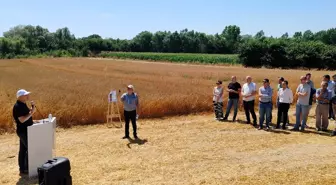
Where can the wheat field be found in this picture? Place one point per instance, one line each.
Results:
(75, 90)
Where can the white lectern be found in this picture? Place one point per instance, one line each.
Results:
(41, 142)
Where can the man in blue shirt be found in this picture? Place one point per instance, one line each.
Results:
(323, 97)
(265, 104)
(131, 105)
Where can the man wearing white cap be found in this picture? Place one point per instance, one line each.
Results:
(131, 104)
(23, 118)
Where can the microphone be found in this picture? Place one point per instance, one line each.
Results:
(32, 104)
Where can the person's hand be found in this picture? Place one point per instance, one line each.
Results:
(33, 110)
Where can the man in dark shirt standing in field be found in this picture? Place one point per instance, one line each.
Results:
(234, 89)
(23, 118)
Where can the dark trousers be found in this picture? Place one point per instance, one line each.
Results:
(130, 116)
(249, 108)
(218, 108)
(23, 151)
(282, 114)
(331, 112)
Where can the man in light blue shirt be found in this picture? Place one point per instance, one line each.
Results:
(131, 104)
(265, 104)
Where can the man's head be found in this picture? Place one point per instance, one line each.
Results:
(234, 79)
(281, 79)
(130, 89)
(308, 76)
(303, 79)
(324, 85)
(219, 83)
(326, 78)
(248, 79)
(22, 95)
(284, 84)
(266, 82)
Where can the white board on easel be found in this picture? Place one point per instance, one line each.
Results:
(113, 108)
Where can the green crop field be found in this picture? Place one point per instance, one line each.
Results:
(176, 57)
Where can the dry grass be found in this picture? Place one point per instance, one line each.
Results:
(187, 150)
(75, 90)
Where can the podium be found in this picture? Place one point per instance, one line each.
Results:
(41, 143)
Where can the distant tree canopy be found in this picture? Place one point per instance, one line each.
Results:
(307, 49)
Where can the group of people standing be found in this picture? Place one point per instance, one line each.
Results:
(325, 98)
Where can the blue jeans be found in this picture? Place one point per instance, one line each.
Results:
(301, 109)
(265, 109)
(231, 102)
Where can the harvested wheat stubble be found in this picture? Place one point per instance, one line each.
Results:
(187, 150)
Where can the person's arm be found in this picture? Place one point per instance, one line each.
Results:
(260, 93)
(238, 92)
(24, 118)
(304, 93)
(291, 96)
(318, 95)
(122, 98)
(220, 94)
(137, 105)
(326, 100)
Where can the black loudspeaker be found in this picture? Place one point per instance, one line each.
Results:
(55, 172)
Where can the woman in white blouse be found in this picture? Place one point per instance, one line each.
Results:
(285, 96)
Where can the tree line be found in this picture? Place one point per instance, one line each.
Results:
(307, 49)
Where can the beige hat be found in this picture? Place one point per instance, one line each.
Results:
(130, 87)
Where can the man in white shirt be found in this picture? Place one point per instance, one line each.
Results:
(248, 93)
(302, 105)
(285, 97)
(331, 87)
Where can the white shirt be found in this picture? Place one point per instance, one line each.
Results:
(247, 89)
(218, 92)
(331, 87)
(285, 96)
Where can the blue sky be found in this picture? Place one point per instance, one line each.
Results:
(126, 18)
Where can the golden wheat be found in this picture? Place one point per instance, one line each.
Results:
(75, 90)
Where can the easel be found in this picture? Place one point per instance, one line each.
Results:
(113, 108)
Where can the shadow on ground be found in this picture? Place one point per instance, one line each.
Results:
(25, 180)
(136, 141)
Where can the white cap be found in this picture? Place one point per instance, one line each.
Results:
(22, 92)
(130, 87)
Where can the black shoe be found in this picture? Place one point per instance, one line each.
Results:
(325, 130)
(318, 129)
(136, 137)
(126, 137)
(23, 173)
(295, 129)
(284, 128)
(333, 133)
(260, 128)
(267, 128)
(233, 120)
(277, 127)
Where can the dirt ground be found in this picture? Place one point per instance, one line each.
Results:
(187, 150)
